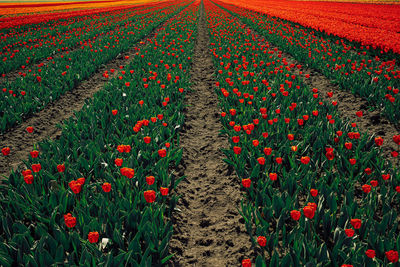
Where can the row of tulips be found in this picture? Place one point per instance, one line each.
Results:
(102, 193)
(47, 83)
(37, 42)
(318, 192)
(359, 69)
(369, 24)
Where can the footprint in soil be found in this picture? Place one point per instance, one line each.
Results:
(205, 242)
(205, 223)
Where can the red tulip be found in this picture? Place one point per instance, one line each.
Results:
(70, 221)
(273, 176)
(262, 241)
(36, 167)
(162, 153)
(34, 153)
(114, 112)
(118, 162)
(309, 212)
(314, 192)
(237, 150)
(28, 179)
(128, 172)
(93, 237)
(164, 191)
(106, 187)
(366, 188)
(295, 214)
(392, 256)
(29, 129)
(305, 160)
(396, 139)
(356, 223)
(246, 263)
(246, 183)
(349, 232)
(75, 186)
(150, 196)
(6, 151)
(261, 160)
(370, 253)
(150, 180)
(267, 151)
(378, 141)
(60, 167)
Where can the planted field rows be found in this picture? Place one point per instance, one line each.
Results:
(201, 133)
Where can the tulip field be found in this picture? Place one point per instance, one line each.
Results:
(207, 137)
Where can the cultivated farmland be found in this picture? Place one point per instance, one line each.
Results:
(200, 133)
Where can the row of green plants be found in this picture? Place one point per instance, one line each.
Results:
(102, 194)
(317, 190)
(358, 70)
(25, 48)
(25, 96)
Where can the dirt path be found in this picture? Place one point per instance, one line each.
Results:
(208, 230)
(45, 121)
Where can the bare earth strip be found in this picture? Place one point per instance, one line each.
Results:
(208, 229)
(45, 121)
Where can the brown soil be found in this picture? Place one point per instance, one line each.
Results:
(372, 122)
(45, 121)
(208, 229)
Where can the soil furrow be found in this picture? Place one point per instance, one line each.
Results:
(208, 229)
(45, 121)
(371, 121)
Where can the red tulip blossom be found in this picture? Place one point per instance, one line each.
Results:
(70, 221)
(349, 232)
(118, 162)
(60, 167)
(128, 172)
(6, 151)
(356, 223)
(295, 214)
(149, 196)
(379, 141)
(28, 179)
(314, 192)
(36, 167)
(273, 176)
(370, 253)
(309, 212)
(150, 180)
(305, 160)
(29, 129)
(162, 153)
(164, 191)
(237, 150)
(34, 153)
(246, 263)
(93, 237)
(366, 188)
(106, 187)
(246, 182)
(262, 241)
(75, 186)
(392, 256)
